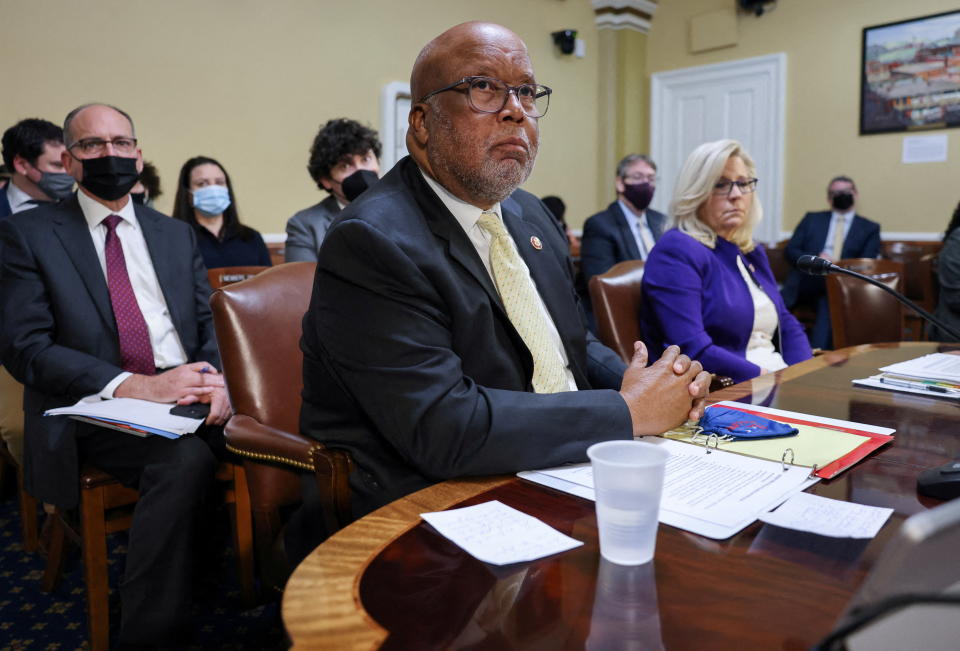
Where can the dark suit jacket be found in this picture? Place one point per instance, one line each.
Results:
(810, 238)
(4, 202)
(307, 228)
(411, 363)
(608, 239)
(58, 333)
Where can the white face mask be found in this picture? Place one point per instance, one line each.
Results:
(211, 200)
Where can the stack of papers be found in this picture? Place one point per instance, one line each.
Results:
(713, 494)
(936, 375)
(130, 415)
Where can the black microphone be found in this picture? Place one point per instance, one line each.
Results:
(815, 266)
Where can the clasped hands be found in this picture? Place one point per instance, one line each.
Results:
(665, 394)
(185, 385)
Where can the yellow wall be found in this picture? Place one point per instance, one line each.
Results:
(249, 82)
(822, 40)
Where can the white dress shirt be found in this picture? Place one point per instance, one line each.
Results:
(467, 215)
(641, 230)
(167, 349)
(760, 348)
(834, 218)
(18, 199)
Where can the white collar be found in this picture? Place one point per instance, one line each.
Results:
(95, 212)
(465, 213)
(632, 216)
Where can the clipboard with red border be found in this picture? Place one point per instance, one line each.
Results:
(873, 437)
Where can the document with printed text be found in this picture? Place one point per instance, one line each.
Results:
(714, 494)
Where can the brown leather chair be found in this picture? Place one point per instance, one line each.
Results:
(861, 313)
(918, 260)
(106, 506)
(778, 262)
(258, 325)
(615, 296)
(221, 276)
(872, 266)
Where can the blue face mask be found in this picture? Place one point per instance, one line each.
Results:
(211, 200)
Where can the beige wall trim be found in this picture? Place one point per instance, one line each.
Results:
(624, 14)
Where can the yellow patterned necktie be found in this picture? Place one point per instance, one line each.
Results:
(521, 302)
(838, 237)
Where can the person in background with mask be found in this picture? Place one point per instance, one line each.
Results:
(31, 151)
(341, 148)
(102, 297)
(832, 234)
(627, 229)
(147, 190)
(205, 199)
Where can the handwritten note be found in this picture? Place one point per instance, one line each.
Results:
(496, 533)
(827, 517)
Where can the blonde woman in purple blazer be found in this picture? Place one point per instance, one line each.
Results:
(707, 286)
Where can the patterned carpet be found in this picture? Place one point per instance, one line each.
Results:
(30, 619)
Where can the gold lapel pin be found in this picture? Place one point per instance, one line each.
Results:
(535, 242)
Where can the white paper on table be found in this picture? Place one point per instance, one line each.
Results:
(715, 495)
(935, 366)
(828, 517)
(925, 149)
(498, 534)
(144, 413)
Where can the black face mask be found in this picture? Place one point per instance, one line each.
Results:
(109, 177)
(357, 183)
(842, 201)
(639, 194)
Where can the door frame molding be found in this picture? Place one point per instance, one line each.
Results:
(772, 65)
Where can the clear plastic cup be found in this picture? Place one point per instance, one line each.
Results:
(628, 481)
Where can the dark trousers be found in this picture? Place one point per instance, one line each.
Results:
(174, 478)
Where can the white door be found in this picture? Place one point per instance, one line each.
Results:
(743, 100)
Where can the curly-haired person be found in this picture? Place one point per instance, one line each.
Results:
(341, 147)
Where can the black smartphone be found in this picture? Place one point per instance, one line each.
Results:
(196, 410)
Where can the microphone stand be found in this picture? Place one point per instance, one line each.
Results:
(897, 295)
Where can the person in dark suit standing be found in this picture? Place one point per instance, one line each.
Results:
(102, 297)
(340, 148)
(832, 234)
(627, 229)
(444, 337)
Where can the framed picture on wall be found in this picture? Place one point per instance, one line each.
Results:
(911, 75)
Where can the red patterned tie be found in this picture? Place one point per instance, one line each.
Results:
(136, 353)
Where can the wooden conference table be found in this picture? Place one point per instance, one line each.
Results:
(389, 580)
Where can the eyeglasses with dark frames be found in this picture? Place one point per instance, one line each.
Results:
(489, 95)
(96, 146)
(725, 186)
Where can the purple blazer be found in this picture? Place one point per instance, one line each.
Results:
(695, 297)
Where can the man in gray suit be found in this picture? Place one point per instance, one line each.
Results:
(341, 148)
